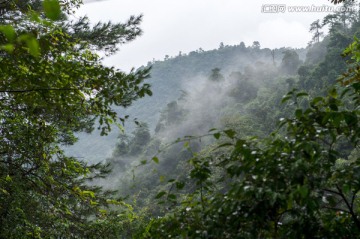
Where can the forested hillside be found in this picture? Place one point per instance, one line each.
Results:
(236, 142)
(52, 86)
(174, 76)
(250, 147)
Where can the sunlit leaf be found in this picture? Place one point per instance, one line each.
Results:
(9, 32)
(52, 9)
(155, 159)
(8, 47)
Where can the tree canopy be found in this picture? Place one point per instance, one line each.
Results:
(340, 1)
(299, 179)
(53, 84)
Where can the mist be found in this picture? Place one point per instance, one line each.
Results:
(215, 99)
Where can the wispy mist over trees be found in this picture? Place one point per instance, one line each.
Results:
(282, 158)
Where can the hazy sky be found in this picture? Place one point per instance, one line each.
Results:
(171, 26)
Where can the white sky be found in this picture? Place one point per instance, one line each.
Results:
(171, 26)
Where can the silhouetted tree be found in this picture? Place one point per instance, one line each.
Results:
(216, 75)
(315, 28)
(256, 45)
(290, 62)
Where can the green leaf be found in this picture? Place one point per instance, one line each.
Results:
(351, 119)
(286, 98)
(8, 47)
(224, 145)
(113, 202)
(33, 46)
(333, 93)
(172, 197)
(230, 133)
(52, 9)
(302, 94)
(8, 178)
(326, 118)
(180, 185)
(160, 194)
(155, 159)
(103, 211)
(217, 135)
(68, 212)
(9, 32)
(88, 193)
(317, 100)
(34, 16)
(304, 191)
(337, 118)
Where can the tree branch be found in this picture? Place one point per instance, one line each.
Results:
(336, 209)
(350, 207)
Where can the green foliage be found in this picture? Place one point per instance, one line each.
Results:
(172, 115)
(297, 182)
(283, 186)
(244, 89)
(343, 27)
(244, 101)
(52, 9)
(290, 62)
(300, 181)
(53, 85)
(133, 145)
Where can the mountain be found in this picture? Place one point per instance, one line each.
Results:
(169, 78)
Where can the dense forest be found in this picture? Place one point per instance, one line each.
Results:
(236, 142)
(172, 77)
